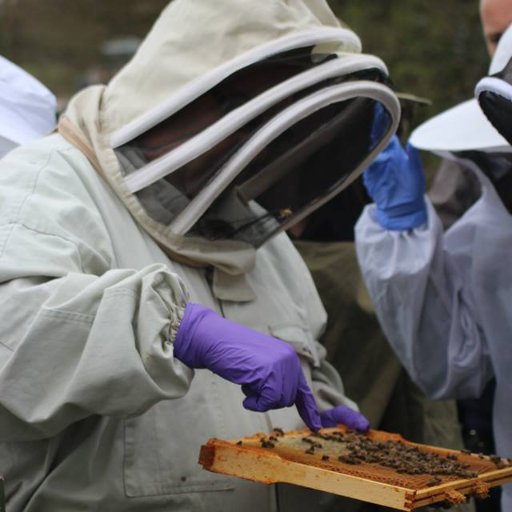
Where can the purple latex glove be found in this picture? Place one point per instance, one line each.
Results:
(268, 369)
(346, 416)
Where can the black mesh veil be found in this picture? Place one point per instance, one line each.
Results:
(260, 150)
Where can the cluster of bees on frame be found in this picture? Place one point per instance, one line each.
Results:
(355, 448)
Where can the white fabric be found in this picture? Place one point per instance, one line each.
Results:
(503, 52)
(90, 307)
(495, 85)
(444, 302)
(341, 39)
(27, 108)
(191, 40)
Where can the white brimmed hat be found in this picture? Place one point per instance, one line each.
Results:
(465, 127)
(27, 107)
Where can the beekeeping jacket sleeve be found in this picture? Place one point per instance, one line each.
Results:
(421, 283)
(73, 326)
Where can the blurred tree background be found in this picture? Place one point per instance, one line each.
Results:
(68, 43)
(432, 49)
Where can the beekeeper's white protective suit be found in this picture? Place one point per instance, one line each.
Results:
(95, 412)
(27, 108)
(444, 298)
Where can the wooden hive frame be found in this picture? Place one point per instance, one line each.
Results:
(253, 458)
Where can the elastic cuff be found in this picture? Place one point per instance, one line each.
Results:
(401, 223)
(181, 339)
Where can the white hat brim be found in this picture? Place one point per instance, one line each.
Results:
(461, 128)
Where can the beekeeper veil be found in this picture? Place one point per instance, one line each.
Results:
(236, 119)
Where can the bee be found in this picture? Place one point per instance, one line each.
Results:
(285, 213)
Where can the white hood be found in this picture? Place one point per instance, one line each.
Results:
(194, 46)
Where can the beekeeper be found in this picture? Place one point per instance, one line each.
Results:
(443, 298)
(27, 108)
(150, 298)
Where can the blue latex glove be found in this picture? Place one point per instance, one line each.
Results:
(396, 183)
(346, 416)
(268, 369)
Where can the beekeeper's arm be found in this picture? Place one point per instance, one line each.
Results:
(84, 344)
(76, 337)
(421, 292)
(80, 338)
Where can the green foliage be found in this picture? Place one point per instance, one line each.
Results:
(60, 40)
(432, 49)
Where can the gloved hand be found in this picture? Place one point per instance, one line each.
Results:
(268, 369)
(346, 416)
(396, 183)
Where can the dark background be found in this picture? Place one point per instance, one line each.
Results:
(432, 49)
